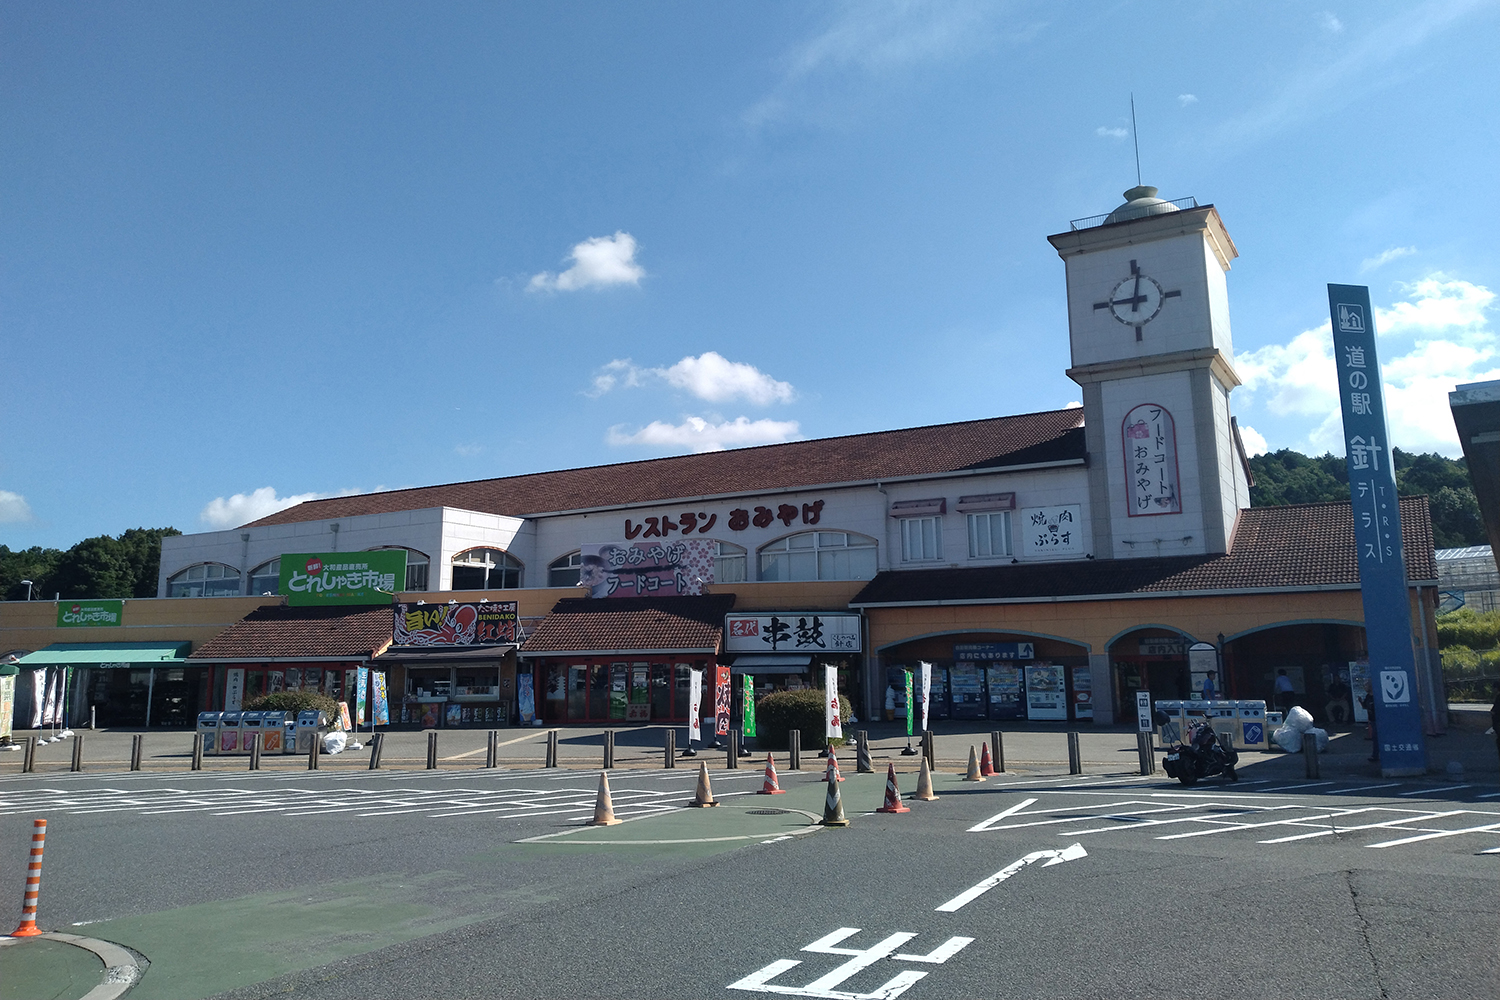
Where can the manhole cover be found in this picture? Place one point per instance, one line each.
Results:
(766, 812)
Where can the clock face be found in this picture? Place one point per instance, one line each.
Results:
(1136, 300)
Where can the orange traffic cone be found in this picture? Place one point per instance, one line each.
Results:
(986, 768)
(892, 794)
(833, 807)
(604, 807)
(924, 783)
(771, 786)
(973, 774)
(704, 797)
(831, 772)
(28, 926)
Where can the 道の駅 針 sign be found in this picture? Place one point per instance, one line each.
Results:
(342, 577)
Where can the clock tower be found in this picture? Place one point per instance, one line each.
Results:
(1148, 324)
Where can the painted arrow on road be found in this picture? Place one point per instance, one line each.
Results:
(1050, 857)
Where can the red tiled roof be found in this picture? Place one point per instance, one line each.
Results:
(1052, 435)
(582, 624)
(279, 631)
(1302, 545)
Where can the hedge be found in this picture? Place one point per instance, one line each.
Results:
(779, 713)
(294, 701)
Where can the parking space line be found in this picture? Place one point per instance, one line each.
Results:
(1365, 826)
(1439, 834)
(1440, 788)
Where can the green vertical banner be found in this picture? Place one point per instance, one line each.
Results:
(908, 703)
(747, 710)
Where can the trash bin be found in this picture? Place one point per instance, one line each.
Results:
(1253, 730)
(208, 725)
(1274, 721)
(250, 727)
(311, 725)
(289, 733)
(271, 731)
(229, 733)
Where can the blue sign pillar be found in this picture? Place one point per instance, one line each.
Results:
(1377, 534)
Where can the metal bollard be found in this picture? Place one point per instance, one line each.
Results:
(734, 750)
(92, 717)
(432, 751)
(863, 765)
(609, 749)
(794, 750)
(492, 751)
(1144, 757)
(551, 749)
(314, 751)
(1310, 754)
(255, 742)
(1075, 755)
(28, 756)
(377, 744)
(669, 749)
(197, 752)
(77, 752)
(136, 743)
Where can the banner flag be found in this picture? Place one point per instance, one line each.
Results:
(382, 707)
(361, 682)
(1377, 535)
(926, 690)
(833, 726)
(695, 702)
(526, 697)
(910, 715)
(721, 700)
(38, 697)
(49, 710)
(8, 703)
(747, 708)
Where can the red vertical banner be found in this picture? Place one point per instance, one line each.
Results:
(721, 700)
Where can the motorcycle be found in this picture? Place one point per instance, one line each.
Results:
(1202, 756)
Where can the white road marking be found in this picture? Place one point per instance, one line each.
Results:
(1365, 826)
(1361, 788)
(1441, 788)
(968, 896)
(1439, 834)
(978, 827)
(1256, 826)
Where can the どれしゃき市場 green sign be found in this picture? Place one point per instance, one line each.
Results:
(342, 577)
(87, 614)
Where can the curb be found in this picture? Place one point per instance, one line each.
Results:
(121, 969)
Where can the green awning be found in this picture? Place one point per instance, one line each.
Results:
(109, 654)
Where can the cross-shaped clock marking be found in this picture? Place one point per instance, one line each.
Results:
(1136, 300)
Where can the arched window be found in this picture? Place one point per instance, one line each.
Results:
(729, 563)
(265, 579)
(416, 565)
(205, 580)
(485, 569)
(564, 572)
(819, 555)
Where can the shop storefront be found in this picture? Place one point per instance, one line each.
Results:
(122, 684)
(788, 650)
(453, 664)
(991, 677)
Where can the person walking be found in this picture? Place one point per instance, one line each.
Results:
(1286, 695)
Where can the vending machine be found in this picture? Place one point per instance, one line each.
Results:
(1046, 692)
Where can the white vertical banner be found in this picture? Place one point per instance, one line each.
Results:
(38, 697)
(695, 700)
(49, 711)
(833, 726)
(926, 669)
(234, 689)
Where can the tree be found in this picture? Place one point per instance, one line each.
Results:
(103, 566)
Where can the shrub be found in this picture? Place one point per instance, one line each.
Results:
(294, 701)
(779, 713)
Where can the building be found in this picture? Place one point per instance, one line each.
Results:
(1468, 578)
(1050, 565)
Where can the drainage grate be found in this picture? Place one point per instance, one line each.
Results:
(766, 812)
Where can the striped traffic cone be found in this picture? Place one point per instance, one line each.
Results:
(833, 807)
(924, 783)
(831, 772)
(892, 794)
(604, 806)
(33, 881)
(704, 796)
(771, 786)
(986, 768)
(973, 774)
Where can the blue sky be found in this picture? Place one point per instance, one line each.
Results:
(261, 251)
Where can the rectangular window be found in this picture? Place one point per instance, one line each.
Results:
(989, 534)
(921, 539)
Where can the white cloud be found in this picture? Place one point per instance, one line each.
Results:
(1111, 133)
(243, 508)
(1451, 342)
(1331, 23)
(698, 434)
(710, 376)
(1253, 440)
(467, 450)
(877, 40)
(1186, 99)
(13, 508)
(598, 262)
(1074, 405)
(1380, 260)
